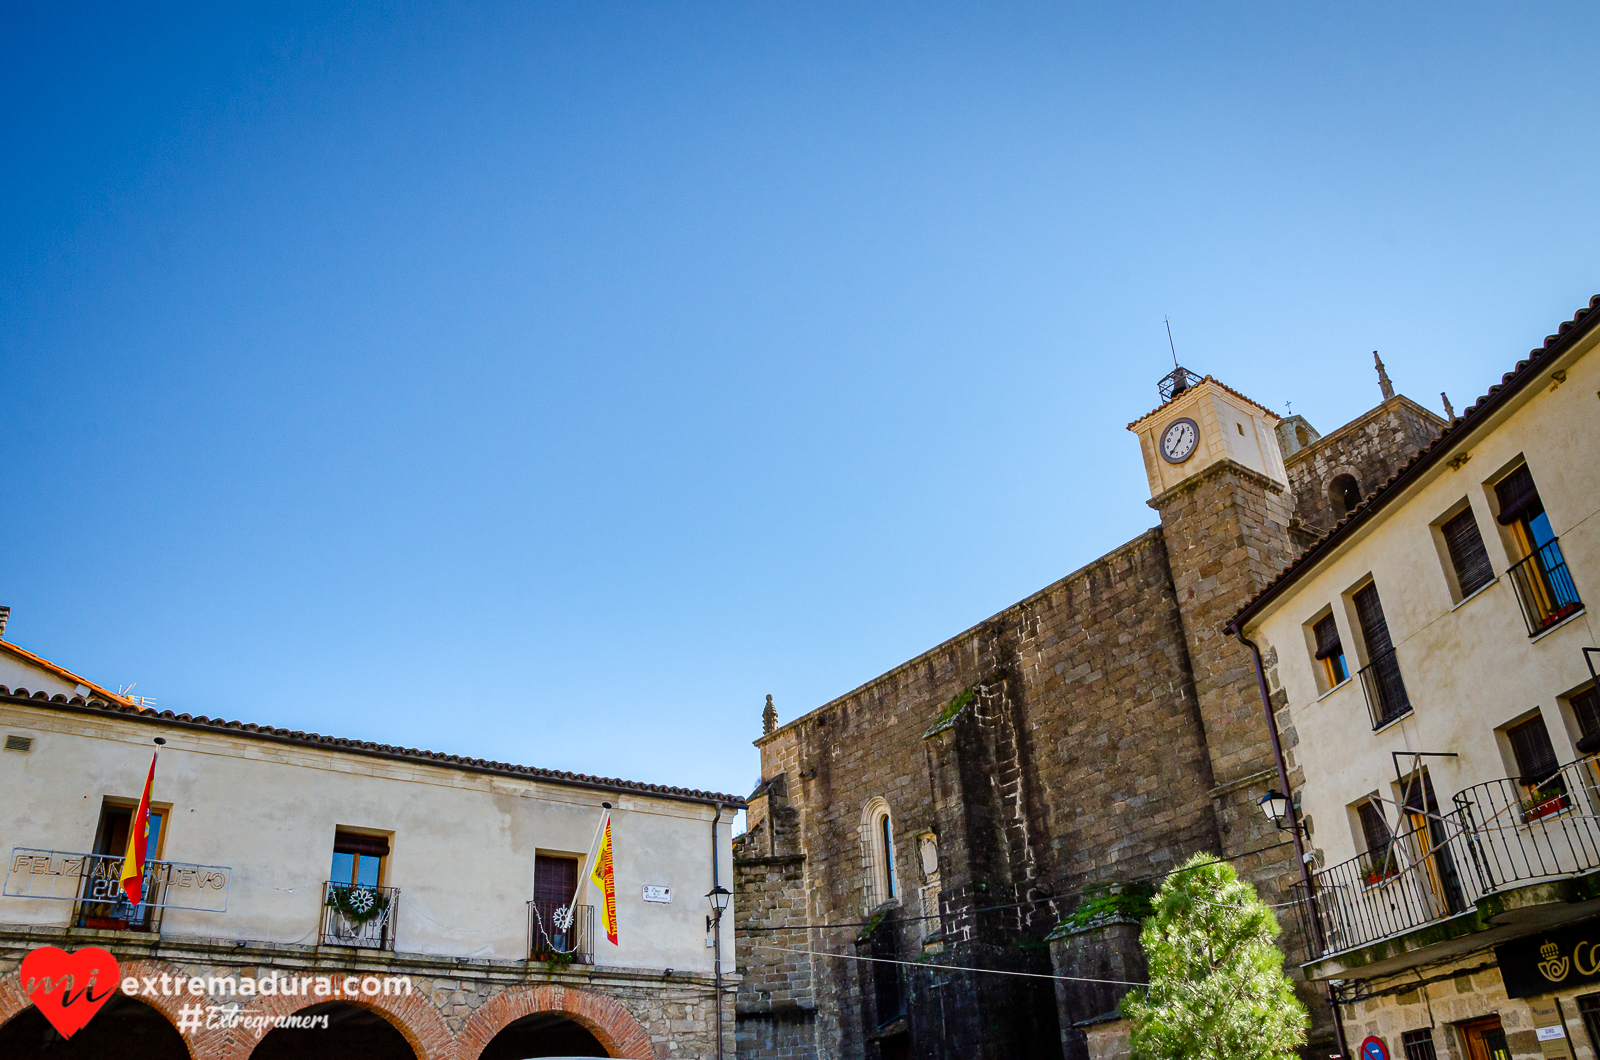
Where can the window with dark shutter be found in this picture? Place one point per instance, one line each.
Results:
(1586, 708)
(1518, 496)
(1530, 744)
(359, 843)
(1374, 628)
(1467, 555)
(1375, 830)
(1330, 653)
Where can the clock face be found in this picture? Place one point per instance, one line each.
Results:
(1179, 439)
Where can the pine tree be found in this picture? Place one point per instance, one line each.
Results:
(1217, 986)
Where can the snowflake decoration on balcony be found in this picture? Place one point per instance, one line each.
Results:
(562, 917)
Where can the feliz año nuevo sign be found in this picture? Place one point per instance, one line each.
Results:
(1551, 960)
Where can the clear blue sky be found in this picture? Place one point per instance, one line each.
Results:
(550, 382)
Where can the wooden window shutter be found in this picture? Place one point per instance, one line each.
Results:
(1467, 555)
(1327, 634)
(357, 843)
(1530, 743)
(1374, 829)
(1586, 707)
(1517, 495)
(1374, 628)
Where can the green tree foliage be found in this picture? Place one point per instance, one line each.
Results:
(1217, 986)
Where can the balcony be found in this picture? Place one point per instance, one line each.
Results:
(354, 915)
(560, 934)
(1499, 835)
(1385, 689)
(92, 883)
(1544, 588)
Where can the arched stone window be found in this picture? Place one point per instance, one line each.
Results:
(1301, 436)
(877, 841)
(1346, 493)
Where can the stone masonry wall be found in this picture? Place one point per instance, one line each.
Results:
(1078, 759)
(1370, 448)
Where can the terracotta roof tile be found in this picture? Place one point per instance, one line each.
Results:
(383, 750)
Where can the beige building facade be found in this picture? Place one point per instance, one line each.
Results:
(1428, 661)
(342, 866)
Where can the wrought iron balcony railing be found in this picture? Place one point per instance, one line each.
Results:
(1385, 689)
(353, 915)
(556, 930)
(1507, 832)
(1544, 588)
(93, 883)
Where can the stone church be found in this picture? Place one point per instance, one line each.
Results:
(957, 811)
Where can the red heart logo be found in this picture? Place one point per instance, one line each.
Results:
(69, 988)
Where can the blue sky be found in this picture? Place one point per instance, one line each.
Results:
(550, 382)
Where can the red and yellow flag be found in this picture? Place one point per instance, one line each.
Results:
(603, 879)
(138, 841)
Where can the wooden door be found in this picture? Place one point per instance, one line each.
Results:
(1485, 1039)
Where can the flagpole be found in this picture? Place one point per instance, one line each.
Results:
(588, 858)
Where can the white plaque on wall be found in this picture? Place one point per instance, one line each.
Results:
(657, 894)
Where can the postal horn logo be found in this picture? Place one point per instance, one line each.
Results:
(69, 988)
(1554, 967)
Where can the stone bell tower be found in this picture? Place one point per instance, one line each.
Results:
(1217, 479)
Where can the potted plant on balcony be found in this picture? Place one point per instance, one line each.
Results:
(1383, 867)
(358, 904)
(1544, 801)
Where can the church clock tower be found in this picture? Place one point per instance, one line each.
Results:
(1217, 478)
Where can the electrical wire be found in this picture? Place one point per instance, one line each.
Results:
(949, 967)
(1031, 901)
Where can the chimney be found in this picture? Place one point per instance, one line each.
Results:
(5, 616)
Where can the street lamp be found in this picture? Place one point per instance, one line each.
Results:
(718, 897)
(1276, 806)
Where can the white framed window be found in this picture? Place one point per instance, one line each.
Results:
(877, 841)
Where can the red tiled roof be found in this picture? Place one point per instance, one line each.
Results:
(1512, 383)
(168, 719)
(61, 672)
(1216, 382)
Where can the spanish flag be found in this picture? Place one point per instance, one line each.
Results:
(138, 841)
(603, 879)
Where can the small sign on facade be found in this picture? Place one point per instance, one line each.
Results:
(653, 893)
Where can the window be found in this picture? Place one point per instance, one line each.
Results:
(1418, 1045)
(1301, 436)
(1467, 555)
(1544, 788)
(1385, 688)
(1330, 653)
(1589, 1009)
(877, 841)
(555, 884)
(1543, 582)
(1586, 709)
(1379, 840)
(1346, 492)
(884, 825)
(358, 859)
(106, 905)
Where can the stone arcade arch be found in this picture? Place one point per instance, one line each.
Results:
(125, 1028)
(352, 1032)
(611, 1024)
(413, 1018)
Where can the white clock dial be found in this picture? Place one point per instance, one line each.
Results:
(1179, 439)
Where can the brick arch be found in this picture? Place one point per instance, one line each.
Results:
(418, 1022)
(13, 1001)
(601, 1016)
